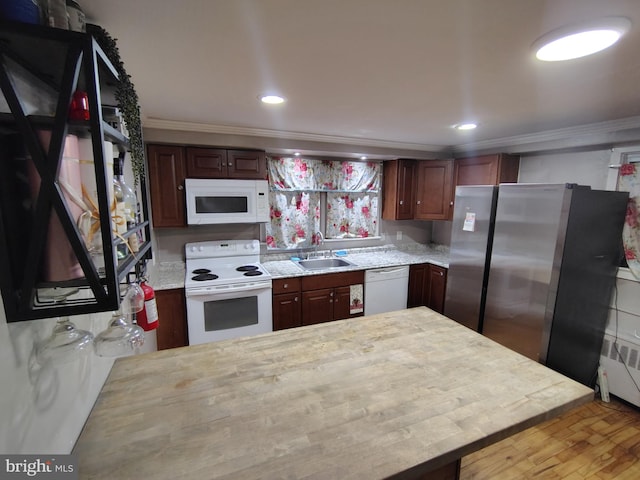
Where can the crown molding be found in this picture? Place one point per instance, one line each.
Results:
(286, 135)
(594, 134)
(570, 137)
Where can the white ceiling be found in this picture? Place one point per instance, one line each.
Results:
(373, 72)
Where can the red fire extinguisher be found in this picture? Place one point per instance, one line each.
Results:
(147, 318)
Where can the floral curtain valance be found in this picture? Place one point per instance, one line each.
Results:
(302, 174)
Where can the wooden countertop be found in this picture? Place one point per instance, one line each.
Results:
(394, 393)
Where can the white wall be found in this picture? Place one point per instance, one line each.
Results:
(585, 168)
(43, 408)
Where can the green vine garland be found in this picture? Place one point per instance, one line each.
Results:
(126, 97)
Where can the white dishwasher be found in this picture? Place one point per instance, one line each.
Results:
(385, 289)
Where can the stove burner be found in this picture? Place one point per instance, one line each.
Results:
(203, 277)
(252, 273)
(246, 268)
(198, 271)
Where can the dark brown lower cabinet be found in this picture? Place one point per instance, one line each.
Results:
(313, 299)
(317, 306)
(342, 303)
(172, 329)
(286, 311)
(427, 286)
(437, 288)
(286, 305)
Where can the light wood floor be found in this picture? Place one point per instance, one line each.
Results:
(593, 442)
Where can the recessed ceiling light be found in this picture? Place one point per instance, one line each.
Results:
(466, 126)
(271, 99)
(363, 157)
(580, 40)
(297, 154)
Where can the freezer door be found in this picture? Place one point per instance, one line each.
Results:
(528, 221)
(583, 283)
(472, 228)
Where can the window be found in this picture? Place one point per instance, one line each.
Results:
(336, 197)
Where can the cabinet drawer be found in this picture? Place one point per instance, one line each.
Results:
(286, 285)
(331, 280)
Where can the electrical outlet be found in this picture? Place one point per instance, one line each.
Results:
(399, 235)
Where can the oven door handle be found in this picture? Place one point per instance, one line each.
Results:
(242, 287)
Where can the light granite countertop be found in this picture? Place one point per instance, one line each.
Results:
(364, 259)
(393, 395)
(169, 275)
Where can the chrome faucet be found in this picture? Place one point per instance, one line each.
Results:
(319, 241)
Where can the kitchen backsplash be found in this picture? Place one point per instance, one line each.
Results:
(169, 243)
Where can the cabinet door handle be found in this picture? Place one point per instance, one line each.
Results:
(295, 299)
(401, 202)
(441, 274)
(229, 164)
(418, 202)
(331, 294)
(286, 285)
(180, 187)
(451, 203)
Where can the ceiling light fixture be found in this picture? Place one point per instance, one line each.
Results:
(363, 157)
(466, 126)
(271, 99)
(580, 40)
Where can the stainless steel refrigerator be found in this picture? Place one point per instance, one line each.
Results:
(533, 267)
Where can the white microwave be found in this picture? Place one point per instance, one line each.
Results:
(213, 201)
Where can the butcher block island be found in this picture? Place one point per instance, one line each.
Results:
(404, 394)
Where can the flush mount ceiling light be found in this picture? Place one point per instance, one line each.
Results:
(271, 99)
(466, 126)
(580, 40)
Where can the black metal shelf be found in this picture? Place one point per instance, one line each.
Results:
(77, 127)
(54, 63)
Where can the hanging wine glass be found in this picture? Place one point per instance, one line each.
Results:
(122, 337)
(133, 300)
(65, 342)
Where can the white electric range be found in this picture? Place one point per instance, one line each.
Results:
(228, 292)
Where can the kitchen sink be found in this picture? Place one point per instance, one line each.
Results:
(323, 263)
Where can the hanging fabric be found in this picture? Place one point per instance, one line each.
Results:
(303, 174)
(295, 185)
(352, 215)
(295, 218)
(629, 181)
